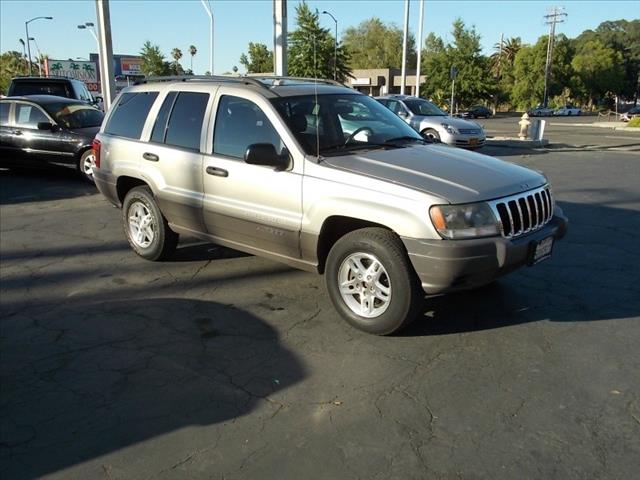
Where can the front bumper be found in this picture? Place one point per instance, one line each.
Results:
(463, 140)
(450, 265)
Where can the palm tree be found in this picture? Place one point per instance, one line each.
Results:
(192, 51)
(505, 54)
(176, 53)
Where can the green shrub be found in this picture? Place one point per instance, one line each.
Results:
(634, 122)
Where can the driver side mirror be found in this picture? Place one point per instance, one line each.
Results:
(265, 154)
(403, 114)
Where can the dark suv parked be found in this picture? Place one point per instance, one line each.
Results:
(58, 86)
(44, 129)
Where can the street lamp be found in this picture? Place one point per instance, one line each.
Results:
(24, 52)
(207, 8)
(89, 26)
(335, 47)
(26, 27)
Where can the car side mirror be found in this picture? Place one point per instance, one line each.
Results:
(47, 126)
(265, 154)
(403, 114)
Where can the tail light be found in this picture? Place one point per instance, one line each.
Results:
(96, 152)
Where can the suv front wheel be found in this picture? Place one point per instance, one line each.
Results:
(371, 282)
(145, 227)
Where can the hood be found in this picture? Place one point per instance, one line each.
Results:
(456, 175)
(86, 132)
(453, 121)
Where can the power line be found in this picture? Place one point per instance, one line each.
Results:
(556, 15)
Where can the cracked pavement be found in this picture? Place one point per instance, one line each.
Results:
(221, 365)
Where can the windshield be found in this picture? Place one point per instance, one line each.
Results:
(422, 107)
(342, 123)
(74, 115)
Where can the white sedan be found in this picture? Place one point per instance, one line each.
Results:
(568, 111)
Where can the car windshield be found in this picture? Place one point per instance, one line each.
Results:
(74, 115)
(338, 123)
(423, 107)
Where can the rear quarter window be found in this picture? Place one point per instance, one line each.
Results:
(130, 113)
(4, 113)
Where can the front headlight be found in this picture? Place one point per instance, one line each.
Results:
(464, 221)
(449, 128)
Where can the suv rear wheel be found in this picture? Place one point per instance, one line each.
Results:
(371, 282)
(146, 228)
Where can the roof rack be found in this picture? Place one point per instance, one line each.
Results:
(203, 78)
(276, 78)
(258, 80)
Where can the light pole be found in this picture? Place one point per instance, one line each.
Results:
(26, 27)
(335, 47)
(24, 52)
(207, 8)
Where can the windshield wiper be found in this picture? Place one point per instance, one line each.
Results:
(391, 141)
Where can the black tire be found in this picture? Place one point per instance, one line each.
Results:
(83, 166)
(406, 295)
(430, 133)
(164, 240)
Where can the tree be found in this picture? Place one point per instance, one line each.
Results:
(505, 55)
(153, 63)
(311, 48)
(473, 81)
(12, 64)
(372, 44)
(192, 51)
(176, 68)
(599, 69)
(260, 59)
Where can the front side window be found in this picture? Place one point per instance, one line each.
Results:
(130, 113)
(75, 115)
(345, 122)
(28, 116)
(185, 122)
(240, 123)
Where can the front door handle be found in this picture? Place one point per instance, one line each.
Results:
(218, 172)
(152, 157)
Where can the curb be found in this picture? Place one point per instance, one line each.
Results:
(516, 143)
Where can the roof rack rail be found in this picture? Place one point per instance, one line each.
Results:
(299, 79)
(202, 78)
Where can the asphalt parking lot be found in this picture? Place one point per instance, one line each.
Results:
(221, 365)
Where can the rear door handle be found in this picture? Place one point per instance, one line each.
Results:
(152, 157)
(218, 172)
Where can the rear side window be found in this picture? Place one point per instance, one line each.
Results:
(4, 113)
(185, 123)
(129, 115)
(28, 116)
(160, 127)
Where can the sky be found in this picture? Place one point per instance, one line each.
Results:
(170, 23)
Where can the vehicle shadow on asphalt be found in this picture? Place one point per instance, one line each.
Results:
(93, 377)
(592, 276)
(42, 184)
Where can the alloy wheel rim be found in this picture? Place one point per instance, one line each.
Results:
(87, 165)
(364, 284)
(141, 225)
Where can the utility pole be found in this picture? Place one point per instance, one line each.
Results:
(207, 8)
(556, 15)
(421, 21)
(105, 54)
(280, 37)
(403, 79)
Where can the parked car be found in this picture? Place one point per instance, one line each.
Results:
(264, 165)
(567, 111)
(478, 111)
(42, 129)
(633, 113)
(540, 111)
(433, 123)
(58, 86)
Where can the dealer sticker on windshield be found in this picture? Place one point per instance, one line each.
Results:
(542, 250)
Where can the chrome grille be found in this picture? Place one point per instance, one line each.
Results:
(469, 131)
(524, 213)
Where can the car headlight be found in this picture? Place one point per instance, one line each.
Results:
(449, 128)
(464, 221)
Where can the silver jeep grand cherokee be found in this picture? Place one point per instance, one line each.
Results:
(320, 177)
